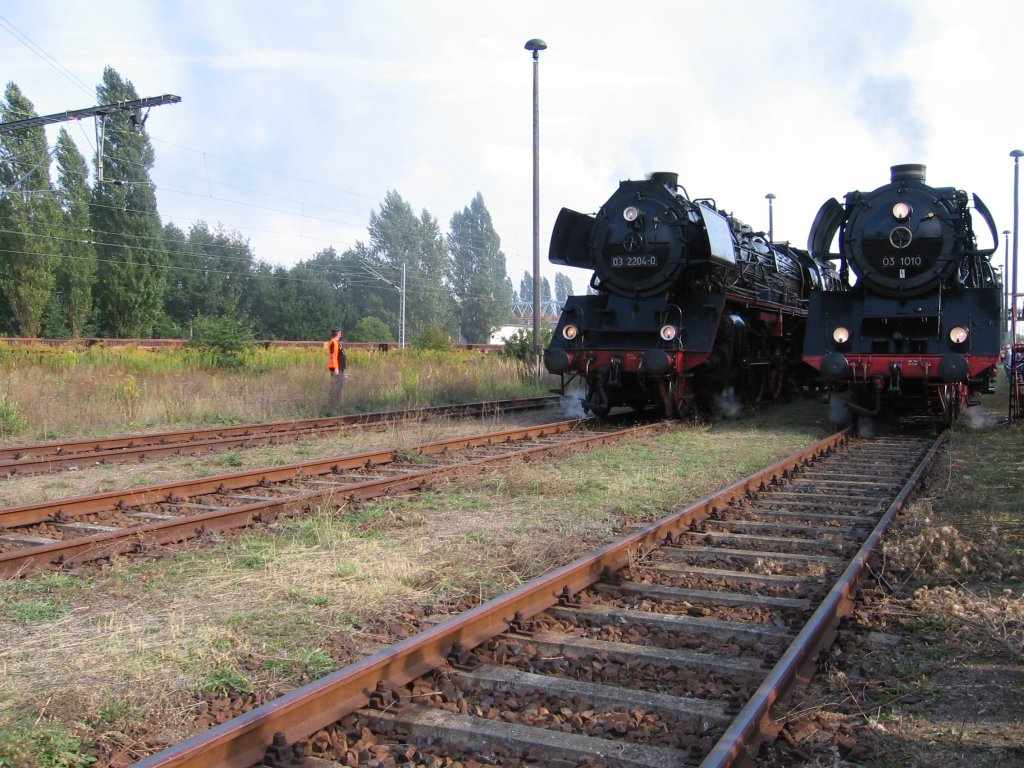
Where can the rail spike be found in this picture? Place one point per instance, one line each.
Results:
(462, 658)
(608, 576)
(281, 754)
(568, 600)
(521, 625)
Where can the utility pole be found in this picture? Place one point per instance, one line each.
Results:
(401, 298)
(536, 46)
(132, 106)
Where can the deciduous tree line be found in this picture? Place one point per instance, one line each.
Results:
(83, 257)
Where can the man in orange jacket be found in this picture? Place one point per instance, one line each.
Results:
(336, 367)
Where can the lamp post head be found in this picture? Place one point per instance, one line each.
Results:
(1015, 154)
(536, 45)
(769, 197)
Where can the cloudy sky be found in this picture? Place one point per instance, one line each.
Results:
(297, 118)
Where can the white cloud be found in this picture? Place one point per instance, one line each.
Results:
(294, 125)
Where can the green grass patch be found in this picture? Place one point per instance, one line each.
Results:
(34, 611)
(303, 663)
(224, 681)
(32, 744)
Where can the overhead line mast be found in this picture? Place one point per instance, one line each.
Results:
(100, 111)
(132, 105)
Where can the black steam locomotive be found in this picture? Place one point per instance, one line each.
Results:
(919, 329)
(687, 303)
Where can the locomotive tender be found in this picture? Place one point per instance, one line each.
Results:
(687, 303)
(919, 330)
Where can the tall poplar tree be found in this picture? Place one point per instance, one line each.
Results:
(526, 287)
(133, 261)
(76, 272)
(398, 237)
(563, 288)
(226, 263)
(479, 280)
(29, 216)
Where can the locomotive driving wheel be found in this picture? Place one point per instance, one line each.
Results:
(596, 400)
(775, 381)
(683, 396)
(766, 382)
(951, 399)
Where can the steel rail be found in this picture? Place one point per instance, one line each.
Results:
(37, 458)
(147, 535)
(242, 742)
(43, 511)
(739, 743)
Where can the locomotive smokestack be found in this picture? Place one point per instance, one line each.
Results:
(908, 172)
(670, 180)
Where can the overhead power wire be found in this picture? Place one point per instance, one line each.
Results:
(25, 40)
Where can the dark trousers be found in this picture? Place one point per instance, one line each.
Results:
(337, 385)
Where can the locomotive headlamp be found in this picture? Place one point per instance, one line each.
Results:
(841, 335)
(668, 332)
(901, 210)
(570, 332)
(631, 213)
(958, 335)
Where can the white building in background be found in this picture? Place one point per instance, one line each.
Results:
(506, 332)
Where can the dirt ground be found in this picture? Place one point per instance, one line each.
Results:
(928, 670)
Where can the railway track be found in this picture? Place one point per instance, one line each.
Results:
(68, 532)
(668, 647)
(40, 458)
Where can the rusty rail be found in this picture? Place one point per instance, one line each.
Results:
(242, 742)
(741, 740)
(140, 537)
(36, 458)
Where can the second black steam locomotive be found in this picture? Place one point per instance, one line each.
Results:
(919, 329)
(687, 303)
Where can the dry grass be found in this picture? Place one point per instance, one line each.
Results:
(68, 393)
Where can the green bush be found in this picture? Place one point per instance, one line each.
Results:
(226, 341)
(370, 329)
(519, 346)
(434, 339)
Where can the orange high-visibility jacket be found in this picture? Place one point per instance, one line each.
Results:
(334, 355)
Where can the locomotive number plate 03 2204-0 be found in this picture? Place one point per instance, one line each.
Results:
(628, 262)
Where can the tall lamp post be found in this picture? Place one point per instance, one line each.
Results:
(536, 45)
(1016, 155)
(1006, 280)
(771, 226)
